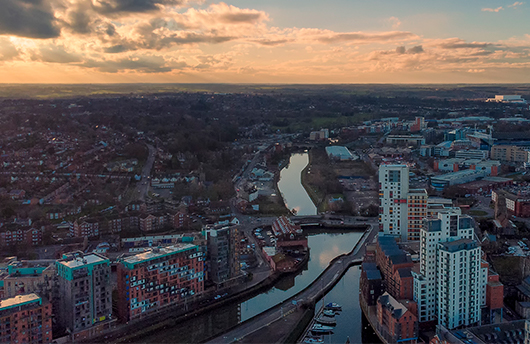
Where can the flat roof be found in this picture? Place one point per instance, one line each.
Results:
(458, 245)
(18, 301)
(339, 151)
(457, 175)
(82, 261)
(157, 253)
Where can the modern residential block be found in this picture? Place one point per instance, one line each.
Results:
(223, 253)
(451, 281)
(25, 319)
(159, 277)
(85, 291)
(393, 193)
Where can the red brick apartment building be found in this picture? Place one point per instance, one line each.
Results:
(395, 266)
(25, 319)
(159, 277)
(515, 201)
(396, 323)
(11, 235)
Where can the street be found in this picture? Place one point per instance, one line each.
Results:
(142, 186)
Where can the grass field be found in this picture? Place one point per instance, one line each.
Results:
(477, 213)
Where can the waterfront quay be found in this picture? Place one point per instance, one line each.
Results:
(281, 322)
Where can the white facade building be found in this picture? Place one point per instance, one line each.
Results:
(459, 274)
(393, 193)
(450, 285)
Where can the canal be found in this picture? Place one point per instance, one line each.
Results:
(291, 188)
(323, 248)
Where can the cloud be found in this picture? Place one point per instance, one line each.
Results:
(28, 18)
(121, 7)
(141, 64)
(498, 9)
(54, 54)
(455, 43)
(217, 40)
(516, 4)
(8, 51)
(270, 42)
(415, 50)
(395, 22)
(476, 70)
(364, 37)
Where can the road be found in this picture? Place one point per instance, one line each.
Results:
(483, 204)
(310, 294)
(143, 185)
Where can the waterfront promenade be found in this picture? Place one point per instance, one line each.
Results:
(259, 326)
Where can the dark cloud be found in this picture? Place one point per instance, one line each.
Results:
(142, 64)
(242, 17)
(402, 50)
(79, 21)
(363, 37)
(463, 45)
(149, 39)
(269, 42)
(482, 53)
(28, 18)
(115, 49)
(416, 50)
(110, 30)
(117, 7)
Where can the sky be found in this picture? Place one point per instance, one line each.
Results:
(267, 41)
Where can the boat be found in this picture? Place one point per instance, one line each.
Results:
(326, 320)
(313, 340)
(333, 306)
(319, 328)
(329, 312)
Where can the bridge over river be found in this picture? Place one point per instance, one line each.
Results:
(310, 295)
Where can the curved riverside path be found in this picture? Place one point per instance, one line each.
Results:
(310, 295)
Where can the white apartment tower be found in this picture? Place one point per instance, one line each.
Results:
(393, 193)
(450, 285)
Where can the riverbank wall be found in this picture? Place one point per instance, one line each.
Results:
(172, 316)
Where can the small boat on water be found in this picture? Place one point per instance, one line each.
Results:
(326, 320)
(329, 312)
(319, 328)
(333, 306)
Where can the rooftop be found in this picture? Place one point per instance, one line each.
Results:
(458, 245)
(397, 308)
(79, 261)
(18, 301)
(339, 152)
(457, 175)
(157, 253)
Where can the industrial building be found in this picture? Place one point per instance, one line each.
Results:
(339, 153)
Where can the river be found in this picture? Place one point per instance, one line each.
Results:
(323, 248)
(293, 193)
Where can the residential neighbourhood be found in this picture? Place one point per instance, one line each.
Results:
(109, 218)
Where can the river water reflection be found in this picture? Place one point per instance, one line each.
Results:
(323, 248)
(293, 193)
